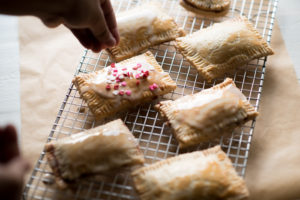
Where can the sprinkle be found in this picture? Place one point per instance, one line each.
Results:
(128, 74)
(107, 87)
(113, 65)
(146, 73)
(137, 76)
(114, 74)
(115, 92)
(118, 80)
(155, 86)
(128, 92)
(138, 82)
(135, 68)
(121, 92)
(115, 70)
(123, 83)
(124, 69)
(116, 86)
(139, 65)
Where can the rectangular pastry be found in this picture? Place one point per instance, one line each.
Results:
(142, 27)
(206, 6)
(223, 47)
(208, 114)
(123, 85)
(95, 151)
(206, 174)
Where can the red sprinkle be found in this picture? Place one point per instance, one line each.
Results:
(135, 68)
(121, 92)
(113, 65)
(114, 74)
(128, 92)
(115, 70)
(116, 86)
(138, 82)
(107, 87)
(123, 83)
(124, 69)
(128, 74)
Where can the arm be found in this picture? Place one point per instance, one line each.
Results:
(93, 22)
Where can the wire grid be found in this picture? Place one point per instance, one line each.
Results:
(154, 137)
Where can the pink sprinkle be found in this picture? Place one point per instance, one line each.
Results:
(128, 92)
(115, 70)
(124, 69)
(123, 83)
(113, 65)
(137, 76)
(138, 82)
(139, 65)
(155, 86)
(114, 74)
(135, 68)
(151, 87)
(118, 80)
(107, 87)
(121, 92)
(116, 86)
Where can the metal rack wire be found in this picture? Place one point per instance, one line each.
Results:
(155, 139)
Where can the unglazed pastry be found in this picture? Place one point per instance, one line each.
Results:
(142, 27)
(123, 85)
(96, 151)
(208, 114)
(207, 174)
(206, 6)
(223, 47)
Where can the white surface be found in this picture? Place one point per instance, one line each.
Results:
(9, 72)
(288, 16)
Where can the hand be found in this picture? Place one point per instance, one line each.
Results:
(93, 22)
(12, 166)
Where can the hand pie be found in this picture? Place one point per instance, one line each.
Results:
(223, 47)
(142, 27)
(207, 174)
(206, 6)
(123, 85)
(208, 114)
(96, 151)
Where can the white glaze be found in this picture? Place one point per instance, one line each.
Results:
(201, 99)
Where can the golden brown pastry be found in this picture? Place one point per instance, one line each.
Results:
(142, 27)
(123, 85)
(206, 6)
(207, 174)
(96, 151)
(208, 114)
(215, 50)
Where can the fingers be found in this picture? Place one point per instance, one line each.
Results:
(101, 31)
(83, 37)
(110, 18)
(8, 144)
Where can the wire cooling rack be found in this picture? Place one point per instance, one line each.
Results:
(154, 137)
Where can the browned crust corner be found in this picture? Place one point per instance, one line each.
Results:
(54, 165)
(211, 13)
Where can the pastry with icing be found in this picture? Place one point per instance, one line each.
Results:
(206, 6)
(99, 150)
(142, 27)
(223, 47)
(208, 114)
(123, 85)
(206, 174)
